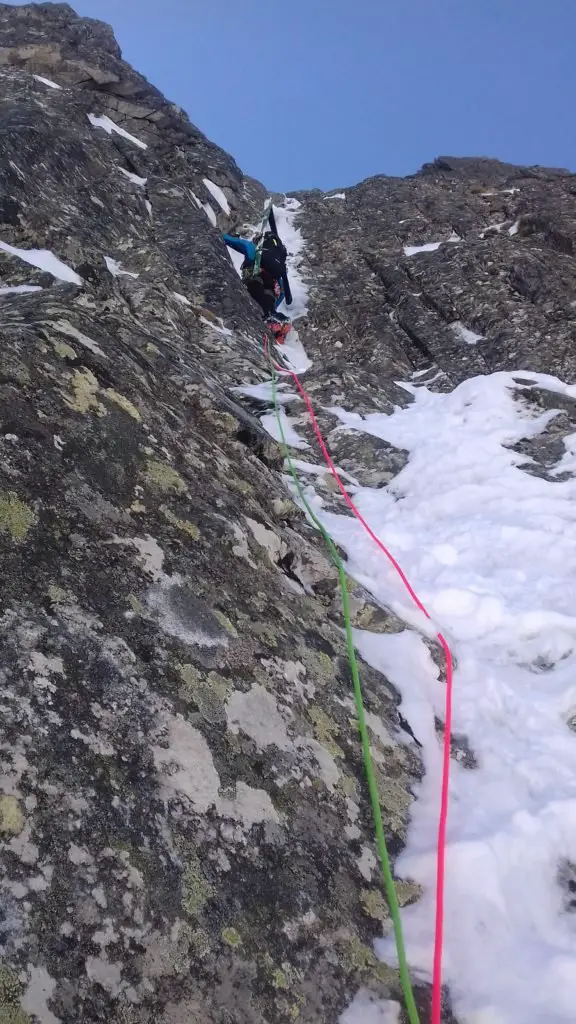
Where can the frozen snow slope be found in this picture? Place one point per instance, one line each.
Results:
(437, 377)
(491, 551)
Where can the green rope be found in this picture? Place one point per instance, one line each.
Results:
(387, 877)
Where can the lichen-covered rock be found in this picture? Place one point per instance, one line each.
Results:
(184, 832)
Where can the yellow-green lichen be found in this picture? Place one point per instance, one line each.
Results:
(355, 956)
(355, 953)
(231, 937)
(16, 518)
(225, 621)
(196, 889)
(58, 595)
(266, 634)
(395, 801)
(15, 371)
(191, 677)
(124, 403)
(284, 508)
(136, 605)
(242, 486)
(348, 785)
(295, 1009)
(284, 979)
(84, 389)
(151, 349)
(377, 620)
(11, 817)
(225, 420)
(325, 728)
(326, 662)
(10, 994)
(408, 892)
(163, 478)
(320, 666)
(181, 524)
(63, 350)
(279, 978)
(209, 694)
(375, 904)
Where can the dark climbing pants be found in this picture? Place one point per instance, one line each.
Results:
(264, 296)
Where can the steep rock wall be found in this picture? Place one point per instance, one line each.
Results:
(186, 835)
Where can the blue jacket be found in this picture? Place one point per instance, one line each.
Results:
(249, 251)
(243, 245)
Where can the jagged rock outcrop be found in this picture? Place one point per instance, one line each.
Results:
(498, 293)
(185, 831)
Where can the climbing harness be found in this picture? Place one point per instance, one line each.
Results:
(388, 879)
(369, 769)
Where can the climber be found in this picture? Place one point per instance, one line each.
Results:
(269, 287)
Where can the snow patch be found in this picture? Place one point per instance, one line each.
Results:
(470, 337)
(108, 125)
(293, 353)
(237, 260)
(292, 237)
(115, 268)
(63, 327)
(411, 250)
(336, 195)
(514, 229)
(44, 260)
(368, 1009)
(219, 328)
(134, 178)
(210, 214)
(493, 229)
(181, 299)
(322, 470)
(20, 289)
(263, 392)
(47, 81)
(502, 192)
(217, 193)
(270, 423)
(491, 550)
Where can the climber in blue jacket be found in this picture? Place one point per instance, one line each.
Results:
(270, 286)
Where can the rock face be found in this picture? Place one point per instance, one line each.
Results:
(185, 830)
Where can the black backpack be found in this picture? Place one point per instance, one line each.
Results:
(274, 255)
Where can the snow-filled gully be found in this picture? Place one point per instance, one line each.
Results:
(491, 551)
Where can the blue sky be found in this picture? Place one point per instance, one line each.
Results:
(323, 93)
